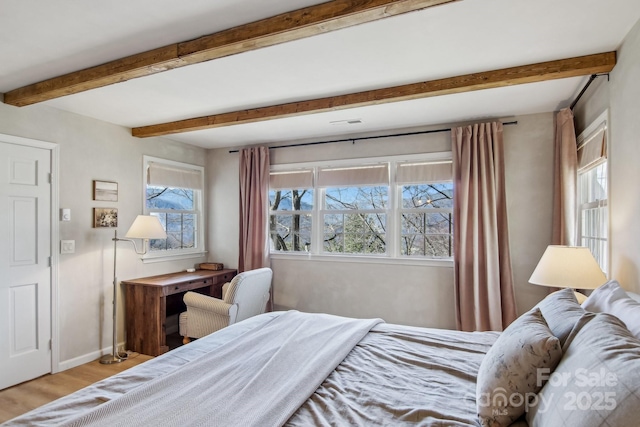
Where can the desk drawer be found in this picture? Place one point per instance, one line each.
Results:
(222, 279)
(187, 286)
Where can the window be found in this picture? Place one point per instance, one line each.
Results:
(426, 209)
(354, 209)
(174, 195)
(593, 211)
(395, 208)
(290, 207)
(427, 220)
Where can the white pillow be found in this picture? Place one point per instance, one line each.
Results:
(508, 374)
(611, 298)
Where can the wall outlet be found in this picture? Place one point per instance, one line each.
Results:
(67, 246)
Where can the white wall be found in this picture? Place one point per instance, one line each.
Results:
(622, 96)
(91, 149)
(529, 184)
(594, 101)
(419, 295)
(624, 161)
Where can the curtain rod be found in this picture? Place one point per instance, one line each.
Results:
(592, 77)
(362, 138)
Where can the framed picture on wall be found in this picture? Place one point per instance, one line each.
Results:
(105, 191)
(105, 217)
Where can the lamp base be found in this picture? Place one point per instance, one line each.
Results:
(580, 297)
(109, 359)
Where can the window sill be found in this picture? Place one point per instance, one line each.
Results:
(151, 258)
(364, 259)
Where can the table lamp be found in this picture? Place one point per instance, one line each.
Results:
(568, 267)
(144, 227)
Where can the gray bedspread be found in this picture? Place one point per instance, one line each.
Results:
(396, 375)
(402, 376)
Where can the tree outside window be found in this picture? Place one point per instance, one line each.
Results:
(173, 194)
(174, 207)
(427, 220)
(355, 220)
(290, 220)
(360, 216)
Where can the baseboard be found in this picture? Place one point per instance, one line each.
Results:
(86, 358)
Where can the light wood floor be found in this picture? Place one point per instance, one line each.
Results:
(24, 397)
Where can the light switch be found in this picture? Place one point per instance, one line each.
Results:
(67, 246)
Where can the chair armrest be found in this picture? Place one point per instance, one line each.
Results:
(205, 315)
(207, 303)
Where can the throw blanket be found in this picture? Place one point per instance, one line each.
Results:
(259, 379)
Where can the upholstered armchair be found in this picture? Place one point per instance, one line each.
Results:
(245, 296)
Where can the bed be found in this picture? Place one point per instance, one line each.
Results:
(301, 369)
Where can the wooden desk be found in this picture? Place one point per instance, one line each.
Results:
(149, 300)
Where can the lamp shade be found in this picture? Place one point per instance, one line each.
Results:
(146, 227)
(568, 267)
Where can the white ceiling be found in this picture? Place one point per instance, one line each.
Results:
(43, 39)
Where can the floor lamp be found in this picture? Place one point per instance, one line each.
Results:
(144, 227)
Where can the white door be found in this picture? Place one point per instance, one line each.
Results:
(25, 251)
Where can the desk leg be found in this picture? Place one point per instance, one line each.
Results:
(145, 320)
(160, 339)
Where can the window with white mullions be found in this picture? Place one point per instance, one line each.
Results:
(426, 207)
(355, 220)
(427, 234)
(593, 210)
(593, 230)
(181, 229)
(290, 219)
(386, 208)
(291, 201)
(354, 212)
(174, 195)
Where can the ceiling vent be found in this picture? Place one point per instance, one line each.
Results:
(346, 122)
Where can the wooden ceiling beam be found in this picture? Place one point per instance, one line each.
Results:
(289, 26)
(551, 70)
